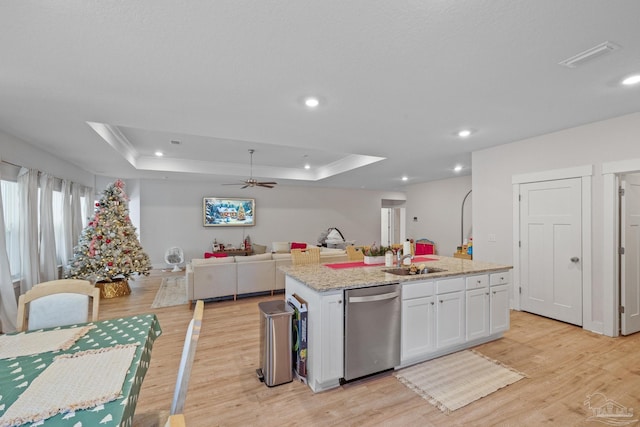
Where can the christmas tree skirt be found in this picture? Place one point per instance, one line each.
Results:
(116, 288)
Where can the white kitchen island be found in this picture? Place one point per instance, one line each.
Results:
(443, 312)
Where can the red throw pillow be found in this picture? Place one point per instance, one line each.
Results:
(214, 255)
(295, 245)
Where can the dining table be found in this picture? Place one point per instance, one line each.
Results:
(88, 374)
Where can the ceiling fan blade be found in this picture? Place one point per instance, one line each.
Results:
(240, 183)
(270, 183)
(244, 186)
(264, 184)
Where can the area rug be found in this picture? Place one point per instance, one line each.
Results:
(172, 291)
(453, 381)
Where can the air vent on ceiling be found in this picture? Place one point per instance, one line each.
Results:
(589, 54)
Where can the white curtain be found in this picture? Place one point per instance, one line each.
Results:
(48, 258)
(29, 259)
(76, 212)
(8, 305)
(89, 200)
(66, 245)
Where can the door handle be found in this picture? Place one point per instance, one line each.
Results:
(575, 259)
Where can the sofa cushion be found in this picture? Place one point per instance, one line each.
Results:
(259, 249)
(279, 257)
(251, 258)
(280, 247)
(198, 261)
(332, 251)
(298, 245)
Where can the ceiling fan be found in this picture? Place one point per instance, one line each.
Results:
(252, 182)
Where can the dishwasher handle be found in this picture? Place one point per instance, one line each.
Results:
(371, 298)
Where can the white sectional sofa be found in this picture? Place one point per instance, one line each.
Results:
(232, 276)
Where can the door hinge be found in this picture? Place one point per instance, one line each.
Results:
(621, 250)
(519, 243)
(519, 198)
(621, 191)
(621, 309)
(520, 289)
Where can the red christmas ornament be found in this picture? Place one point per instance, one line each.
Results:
(108, 240)
(110, 263)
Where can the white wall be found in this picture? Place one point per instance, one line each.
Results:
(592, 144)
(18, 152)
(438, 207)
(171, 214)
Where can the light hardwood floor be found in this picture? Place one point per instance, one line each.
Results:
(564, 364)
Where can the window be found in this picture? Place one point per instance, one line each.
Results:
(10, 204)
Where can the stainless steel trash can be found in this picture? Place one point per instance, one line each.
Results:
(275, 343)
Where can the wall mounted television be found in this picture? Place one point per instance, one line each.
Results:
(228, 212)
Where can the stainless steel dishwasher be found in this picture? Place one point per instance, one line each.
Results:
(372, 330)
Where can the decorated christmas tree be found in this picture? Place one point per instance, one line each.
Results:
(109, 248)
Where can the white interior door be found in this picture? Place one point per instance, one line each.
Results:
(630, 260)
(551, 249)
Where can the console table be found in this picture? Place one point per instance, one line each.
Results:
(232, 252)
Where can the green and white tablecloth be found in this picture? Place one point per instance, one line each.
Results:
(17, 373)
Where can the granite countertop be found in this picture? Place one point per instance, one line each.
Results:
(322, 278)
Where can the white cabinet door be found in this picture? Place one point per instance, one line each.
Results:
(499, 297)
(331, 337)
(551, 249)
(418, 327)
(477, 313)
(450, 319)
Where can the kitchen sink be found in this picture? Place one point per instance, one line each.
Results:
(402, 271)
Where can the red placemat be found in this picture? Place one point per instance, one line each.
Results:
(362, 264)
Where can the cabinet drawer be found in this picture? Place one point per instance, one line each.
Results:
(417, 290)
(480, 281)
(450, 285)
(500, 278)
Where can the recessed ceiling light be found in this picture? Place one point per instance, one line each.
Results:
(404, 178)
(159, 153)
(631, 80)
(464, 133)
(458, 168)
(307, 166)
(311, 102)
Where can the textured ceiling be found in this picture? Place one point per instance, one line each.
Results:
(396, 80)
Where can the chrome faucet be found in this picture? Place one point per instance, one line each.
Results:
(401, 258)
